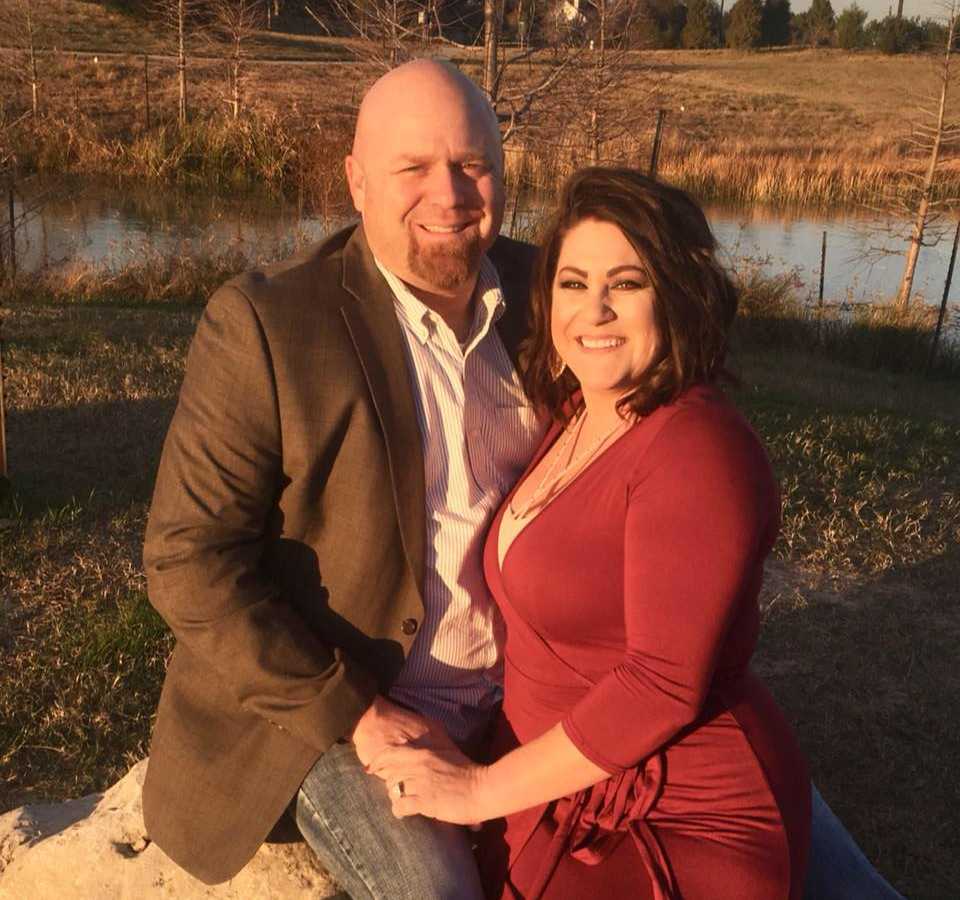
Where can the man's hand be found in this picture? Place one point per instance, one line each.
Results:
(385, 724)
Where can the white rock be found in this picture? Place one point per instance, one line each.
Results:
(96, 847)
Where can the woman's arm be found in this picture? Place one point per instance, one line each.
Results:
(446, 785)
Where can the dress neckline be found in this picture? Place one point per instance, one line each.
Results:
(551, 439)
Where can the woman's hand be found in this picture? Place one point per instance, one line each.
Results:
(439, 782)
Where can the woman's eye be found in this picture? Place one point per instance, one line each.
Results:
(629, 285)
(569, 284)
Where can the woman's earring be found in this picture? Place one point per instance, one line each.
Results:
(557, 367)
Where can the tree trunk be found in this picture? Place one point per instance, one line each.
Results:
(34, 77)
(926, 192)
(394, 38)
(181, 62)
(596, 113)
(235, 101)
(491, 47)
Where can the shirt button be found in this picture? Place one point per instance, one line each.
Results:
(408, 626)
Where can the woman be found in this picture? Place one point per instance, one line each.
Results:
(636, 754)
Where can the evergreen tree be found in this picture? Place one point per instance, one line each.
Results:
(775, 24)
(743, 31)
(821, 22)
(700, 32)
(850, 31)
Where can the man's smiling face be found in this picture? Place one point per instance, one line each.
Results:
(426, 176)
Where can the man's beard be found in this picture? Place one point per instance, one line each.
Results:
(450, 265)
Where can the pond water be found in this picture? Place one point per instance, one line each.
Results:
(113, 223)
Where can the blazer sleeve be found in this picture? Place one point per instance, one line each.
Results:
(218, 482)
(699, 522)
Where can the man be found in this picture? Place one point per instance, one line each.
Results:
(349, 421)
(328, 403)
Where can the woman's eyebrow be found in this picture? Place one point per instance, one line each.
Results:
(616, 270)
(574, 270)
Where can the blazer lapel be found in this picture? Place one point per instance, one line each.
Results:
(376, 335)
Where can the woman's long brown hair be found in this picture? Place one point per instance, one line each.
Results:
(695, 300)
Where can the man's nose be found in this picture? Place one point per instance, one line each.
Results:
(447, 186)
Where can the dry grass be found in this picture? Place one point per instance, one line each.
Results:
(862, 611)
(801, 127)
(862, 615)
(90, 391)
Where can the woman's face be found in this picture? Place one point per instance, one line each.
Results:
(602, 321)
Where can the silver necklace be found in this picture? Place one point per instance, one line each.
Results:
(541, 496)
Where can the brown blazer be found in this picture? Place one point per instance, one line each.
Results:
(285, 545)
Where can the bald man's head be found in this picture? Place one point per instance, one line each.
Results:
(426, 175)
(406, 89)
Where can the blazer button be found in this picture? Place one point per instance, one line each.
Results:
(408, 626)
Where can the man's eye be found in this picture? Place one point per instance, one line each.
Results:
(475, 167)
(412, 168)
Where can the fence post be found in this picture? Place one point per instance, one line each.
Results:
(657, 137)
(943, 304)
(146, 91)
(823, 266)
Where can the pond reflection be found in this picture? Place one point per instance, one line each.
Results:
(111, 223)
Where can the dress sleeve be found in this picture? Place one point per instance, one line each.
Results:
(700, 519)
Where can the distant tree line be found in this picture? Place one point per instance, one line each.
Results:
(660, 24)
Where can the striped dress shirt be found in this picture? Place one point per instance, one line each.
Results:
(478, 432)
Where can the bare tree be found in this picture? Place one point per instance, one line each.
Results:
(180, 18)
(492, 26)
(20, 31)
(616, 70)
(514, 98)
(235, 22)
(931, 136)
(390, 31)
(394, 31)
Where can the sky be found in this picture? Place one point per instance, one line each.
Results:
(877, 9)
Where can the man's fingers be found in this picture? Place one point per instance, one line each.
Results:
(392, 757)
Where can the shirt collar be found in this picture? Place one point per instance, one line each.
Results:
(422, 320)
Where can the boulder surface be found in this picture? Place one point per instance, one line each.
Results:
(97, 846)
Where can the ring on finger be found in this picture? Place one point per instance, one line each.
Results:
(398, 790)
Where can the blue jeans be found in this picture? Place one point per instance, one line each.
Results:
(344, 815)
(837, 869)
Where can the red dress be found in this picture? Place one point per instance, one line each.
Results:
(631, 614)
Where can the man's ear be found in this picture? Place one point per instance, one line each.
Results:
(355, 181)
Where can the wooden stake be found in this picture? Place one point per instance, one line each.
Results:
(823, 268)
(146, 91)
(657, 137)
(943, 304)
